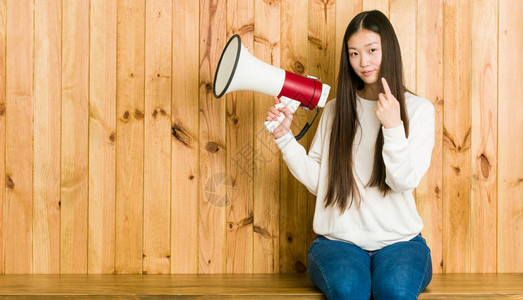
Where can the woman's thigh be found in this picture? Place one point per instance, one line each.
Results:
(401, 270)
(341, 270)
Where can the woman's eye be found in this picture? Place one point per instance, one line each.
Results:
(373, 50)
(353, 54)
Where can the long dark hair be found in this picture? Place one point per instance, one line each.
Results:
(342, 189)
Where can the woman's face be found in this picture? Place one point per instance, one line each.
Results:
(365, 55)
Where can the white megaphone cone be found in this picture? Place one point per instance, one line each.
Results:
(238, 70)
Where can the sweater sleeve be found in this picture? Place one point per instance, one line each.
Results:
(305, 167)
(407, 160)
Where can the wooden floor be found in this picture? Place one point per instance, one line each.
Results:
(277, 286)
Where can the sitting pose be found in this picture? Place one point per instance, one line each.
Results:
(372, 147)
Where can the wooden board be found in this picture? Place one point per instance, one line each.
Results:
(75, 131)
(83, 152)
(3, 42)
(185, 139)
(102, 137)
(214, 180)
(266, 221)
(474, 286)
(403, 19)
(240, 151)
(46, 140)
(510, 139)
(157, 160)
(456, 137)
(293, 197)
(484, 136)
(18, 231)
(429, 78)
(235, 286)
(381, 5)
(130, 108)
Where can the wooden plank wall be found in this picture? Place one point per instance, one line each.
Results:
(130, 106)
(74, 135)
(18, 216)
(102, 137)
(3, 40)
(46, 140)
(116, 157)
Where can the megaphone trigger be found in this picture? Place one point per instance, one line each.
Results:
(292, 105)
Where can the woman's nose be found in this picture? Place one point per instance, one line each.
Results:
(364, 60)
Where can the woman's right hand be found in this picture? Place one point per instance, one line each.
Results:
(274, 113)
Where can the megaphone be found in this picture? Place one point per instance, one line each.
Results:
(238, 70)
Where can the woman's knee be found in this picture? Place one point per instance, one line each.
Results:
(393, 292)
(340, 269)
(340, 283)
(401, 271)
(349, 290)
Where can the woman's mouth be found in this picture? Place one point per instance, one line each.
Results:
(367, 73)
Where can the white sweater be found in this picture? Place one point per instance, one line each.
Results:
(379, 221)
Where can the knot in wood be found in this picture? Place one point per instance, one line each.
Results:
(9, 182)
(126, 116)
(298, 67)
(300, 267)
(138, 114)
(211, 147)
(485, 166)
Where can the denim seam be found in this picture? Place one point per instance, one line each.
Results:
(424, 276)
(322, 275)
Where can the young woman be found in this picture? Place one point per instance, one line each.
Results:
(371, 149)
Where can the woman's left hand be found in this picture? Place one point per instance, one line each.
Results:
(388, 108)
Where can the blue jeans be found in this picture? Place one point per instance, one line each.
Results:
(345, 271)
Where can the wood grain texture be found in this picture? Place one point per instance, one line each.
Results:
(403, 15)
(75, 135)
(474, 286)
(3, 42)
(267, 47)
(429, 78)
(236, 286)
(240, 151)
(104, 161)
(214, 179)
(381, 5)
(102, 137)
(510, 139)
(456, 137)
(46, 139)
(18, 232)
(484, 136)
(130, 92)
(157, 156)
(185, 140)
(293, 197)
(321, 45)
